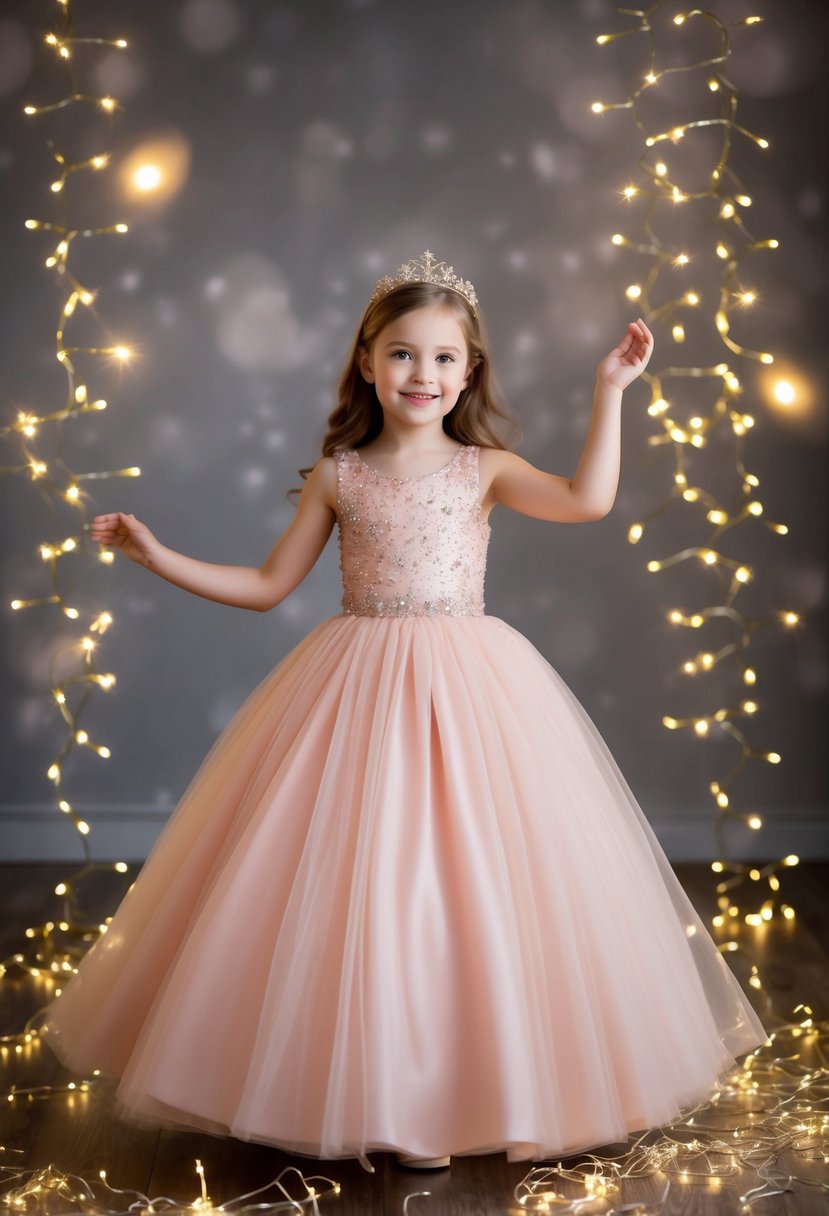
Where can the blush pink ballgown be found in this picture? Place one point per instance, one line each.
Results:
(408, 901)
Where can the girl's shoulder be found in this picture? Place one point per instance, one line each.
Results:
(495, 460)
(321, 482)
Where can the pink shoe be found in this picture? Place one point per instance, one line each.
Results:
(423, 1163)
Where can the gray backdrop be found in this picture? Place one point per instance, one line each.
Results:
(330, 141)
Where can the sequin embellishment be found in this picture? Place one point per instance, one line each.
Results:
(411, 546)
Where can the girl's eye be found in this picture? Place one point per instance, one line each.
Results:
(405, 352)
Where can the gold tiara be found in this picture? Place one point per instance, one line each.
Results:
(426, 270)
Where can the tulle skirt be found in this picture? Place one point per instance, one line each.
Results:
(407, 902)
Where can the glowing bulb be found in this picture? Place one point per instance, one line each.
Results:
(597, 107)
(633, 292)
(147, 177)
(784, 392)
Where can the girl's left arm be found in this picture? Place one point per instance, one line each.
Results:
(590, 494)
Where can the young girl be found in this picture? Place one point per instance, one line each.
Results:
(408, 901)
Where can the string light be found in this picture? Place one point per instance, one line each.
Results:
(764, 1127)
(52, 477)
(50, 1190)
(53, 949)
(719, 201)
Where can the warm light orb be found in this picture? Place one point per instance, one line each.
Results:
(787, 392)
(147, 177)
(157, 168)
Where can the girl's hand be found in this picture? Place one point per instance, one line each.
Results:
(125, 532)
(629, 359)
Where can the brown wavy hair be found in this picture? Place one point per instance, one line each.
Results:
(477, 416)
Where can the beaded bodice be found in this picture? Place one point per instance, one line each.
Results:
(411, 546)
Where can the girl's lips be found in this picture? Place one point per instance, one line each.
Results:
(419, 398)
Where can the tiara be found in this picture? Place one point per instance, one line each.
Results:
(426, 270)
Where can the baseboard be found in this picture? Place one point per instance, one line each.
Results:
(127, 832)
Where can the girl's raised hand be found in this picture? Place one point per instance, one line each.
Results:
(125, 532)
(629, 359)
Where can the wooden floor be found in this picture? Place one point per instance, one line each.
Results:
(78, 1135)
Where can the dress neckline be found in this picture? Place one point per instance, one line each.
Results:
(417, 476)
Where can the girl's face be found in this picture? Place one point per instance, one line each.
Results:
(419, 365)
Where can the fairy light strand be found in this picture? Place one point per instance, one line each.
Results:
(764, 1127)
(49, 1190)
(52, 950)
(51, 478)
(721, 192)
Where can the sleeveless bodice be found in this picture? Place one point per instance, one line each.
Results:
(411, 546)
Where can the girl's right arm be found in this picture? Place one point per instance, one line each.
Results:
(258, 588)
